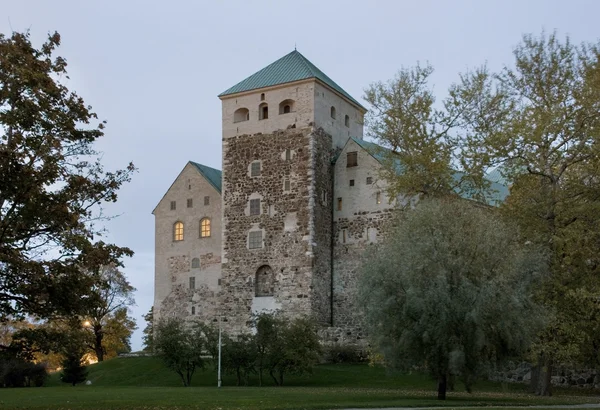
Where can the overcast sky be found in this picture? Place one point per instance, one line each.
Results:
(153, 70)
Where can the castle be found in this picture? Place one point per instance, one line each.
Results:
(284, 224)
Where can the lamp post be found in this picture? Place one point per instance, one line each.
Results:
(219, 367)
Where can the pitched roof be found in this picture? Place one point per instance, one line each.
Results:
(213, 176)
(291, 67)
(498, 186)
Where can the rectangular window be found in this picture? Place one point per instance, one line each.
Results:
(255, 207)
(286, 185)
(255, 169)
(288, 154)
(378, 198)
(352, 159)
(189, 203)
(192, 283)
(219, 281)
(193, 310)
(206, 200)
(369, 180)
(339, 205)
(343, 236)
(351, 182)
(255, 240)
(173, 205)
(324, 197)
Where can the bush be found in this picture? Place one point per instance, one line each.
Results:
(17, 372)
(344, 354)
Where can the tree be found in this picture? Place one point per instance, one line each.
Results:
(52, 185)
(149, 330)
(181, 347)
(239, 356)
(451, 291)
(74, 370)
(107, 318)
(539, 122)
(285, 346)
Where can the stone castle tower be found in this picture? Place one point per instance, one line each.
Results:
(284, 223)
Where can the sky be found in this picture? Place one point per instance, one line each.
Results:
(153, 70)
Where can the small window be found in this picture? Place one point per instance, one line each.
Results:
(286, 185)
(255, 169)
(262, 96)
(264, 282)
(195, 263)
(193, 310)
(255, 207)
(178, 231)
(288, 154)
(241, 114)
(206, 200)
(189, 202)
(332, 112)
(205, 228)
(219, 281)
(286, 107)
(173, 205)
(255, 240)
(351, 182)
(378, 198)
(343, 236)
(324, 197)
(192, 283)
(263, 111)
(352, 159)
(347, 121)
(339, 204)
(369, 180)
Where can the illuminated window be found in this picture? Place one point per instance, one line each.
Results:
(255, 207)
(205, 228)
(178, 231)
(378, 198)
(195, 263)
(255, 240)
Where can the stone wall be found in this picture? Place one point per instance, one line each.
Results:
(562, 376)
(284, 219)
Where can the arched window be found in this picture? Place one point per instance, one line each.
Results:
(195, 263)
(332, 112)
(262, 96)
(178, 231)
(241, 114)
(263, 111)
(286, 107)
(205, 228)
(265, 281)
(347, 121)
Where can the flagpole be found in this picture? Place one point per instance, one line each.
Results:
(219, 371)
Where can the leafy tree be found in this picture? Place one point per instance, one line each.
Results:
(149, 330)
(539, 121)
(451, 291)
(52, 185)
(180, 346)
(285, 346)
(107, 318)
(239, 356)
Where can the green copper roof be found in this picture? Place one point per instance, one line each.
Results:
(291, 67)
(213, 176)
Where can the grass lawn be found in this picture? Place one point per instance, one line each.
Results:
(143, 383)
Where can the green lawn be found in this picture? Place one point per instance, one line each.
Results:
(143, 383)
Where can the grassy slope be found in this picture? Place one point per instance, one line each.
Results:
(144, 383)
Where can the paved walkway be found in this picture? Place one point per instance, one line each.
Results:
(551, 406)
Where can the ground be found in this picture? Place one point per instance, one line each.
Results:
(143, 383)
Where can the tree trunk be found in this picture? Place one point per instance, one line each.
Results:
(535, 377)
(281, 377)
(442, 387)
(274, 378)
(260, 376)
(239, 376)
(98, 336)
(544, 386)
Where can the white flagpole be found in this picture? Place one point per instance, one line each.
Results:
(219, 371)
